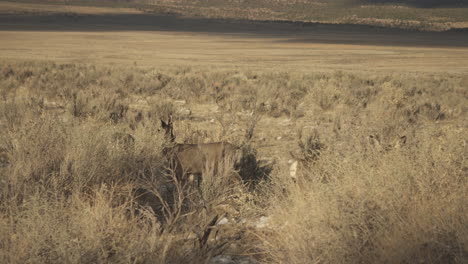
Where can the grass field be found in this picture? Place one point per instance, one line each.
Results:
(123, 37)
(374, 119)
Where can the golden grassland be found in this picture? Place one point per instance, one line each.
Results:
(321, 50)
(101, 37)
(74, 190)
(376, 122)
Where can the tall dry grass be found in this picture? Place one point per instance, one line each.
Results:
(365, 206)
(83, 177)
(367, 196)
(76, 170)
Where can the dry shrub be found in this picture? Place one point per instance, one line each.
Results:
(79, 205)
(97, 156)
(221, 182)
(89, 229)
(91, 184)
(401, 205)
(162, 109)
(36, 150)
(390, 184)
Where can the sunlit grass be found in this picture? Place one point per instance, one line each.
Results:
(381, 175)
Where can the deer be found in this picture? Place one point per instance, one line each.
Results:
(189, 161)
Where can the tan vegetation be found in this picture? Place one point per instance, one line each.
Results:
(48, 8)
(154, 40)
(350, 142)
(318, 51)
(84, 177)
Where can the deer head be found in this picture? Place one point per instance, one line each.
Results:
(168, 128)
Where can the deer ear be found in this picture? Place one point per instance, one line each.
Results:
(170, 119)
(403, 140)
(163, 124)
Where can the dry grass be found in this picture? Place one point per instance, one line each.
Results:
(382, 171)
(46, 8)
(309, 49)
(83, 177)
(365, 206)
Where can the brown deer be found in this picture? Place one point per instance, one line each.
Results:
(189, 161)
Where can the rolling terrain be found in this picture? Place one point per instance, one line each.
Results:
(352, 137)
(127, 36)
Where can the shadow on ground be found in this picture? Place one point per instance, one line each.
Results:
(287, 31)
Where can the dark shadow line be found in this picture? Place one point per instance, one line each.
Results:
(289, 31)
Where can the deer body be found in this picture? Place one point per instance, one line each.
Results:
(193, 157)
(191, 160)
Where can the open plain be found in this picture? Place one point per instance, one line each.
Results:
(128, 36)
(374, 120)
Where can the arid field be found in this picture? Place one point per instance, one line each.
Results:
(350, 138)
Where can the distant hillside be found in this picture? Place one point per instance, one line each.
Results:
(418, 3)
(425, 15)
(267, 3)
